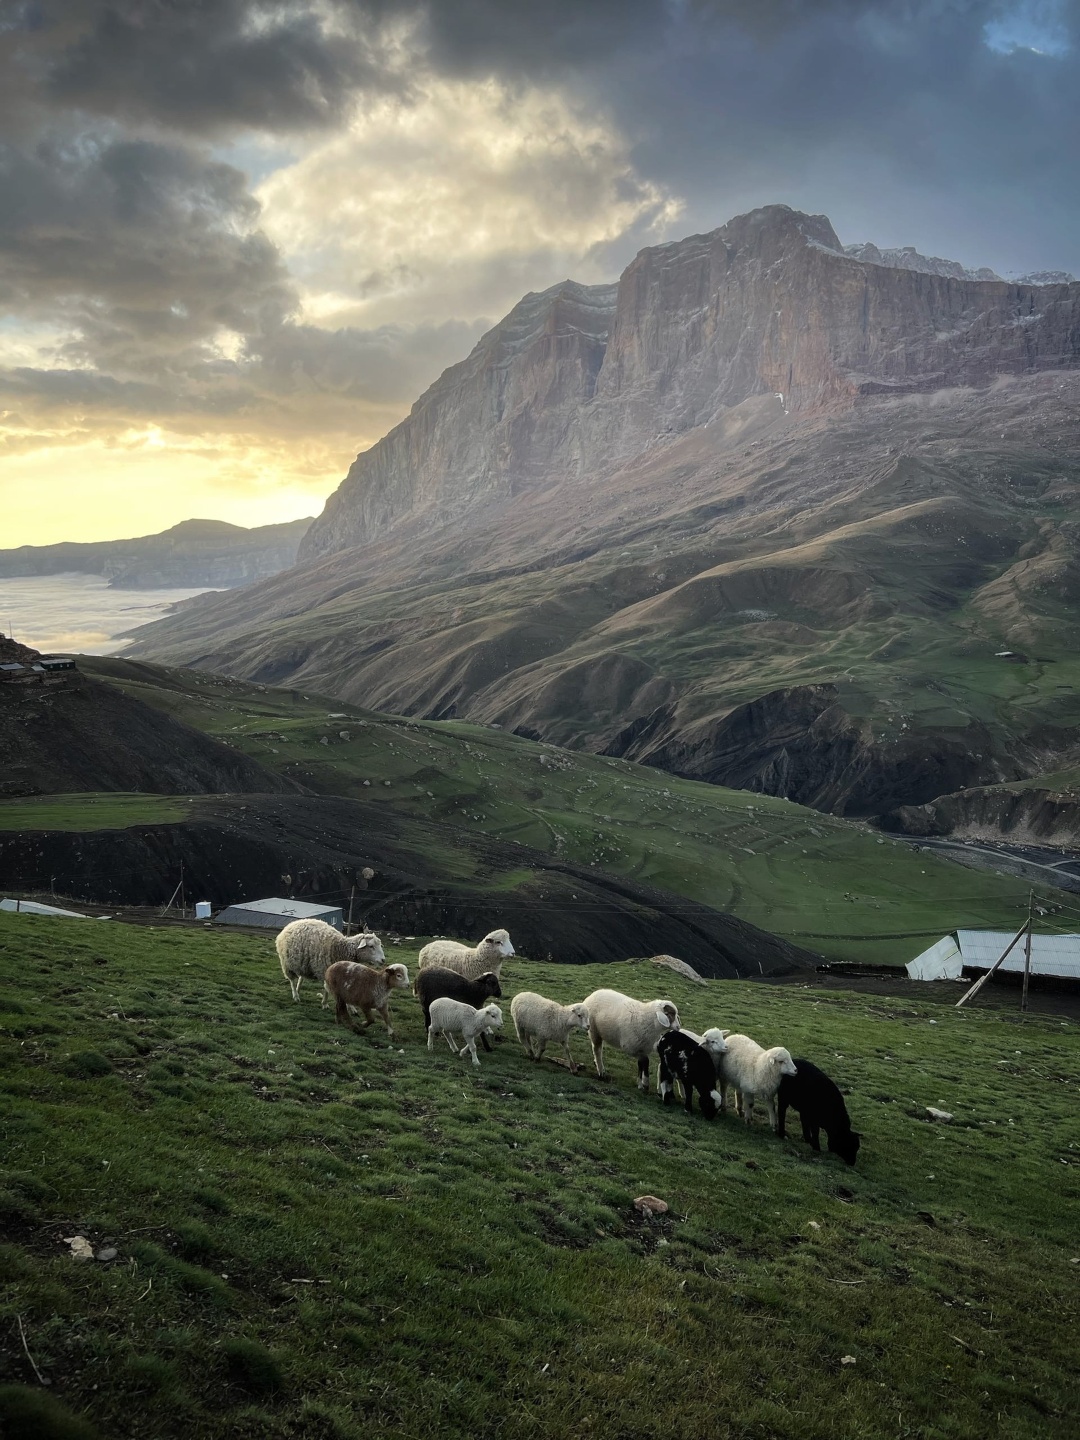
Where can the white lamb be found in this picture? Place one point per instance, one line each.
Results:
(454, 1017)
(754, 1074)
(468, 960)
(538, 1020)
(713, 1042)
(633, 1026)
(306, 947)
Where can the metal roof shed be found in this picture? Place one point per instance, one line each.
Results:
(1057, 955)
(941, 962)
(275, 913)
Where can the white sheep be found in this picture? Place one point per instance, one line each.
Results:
(633, 1026)
(468, 960)
(538, 1020)
(454, 1017)
(754, 1074)
(306, 947)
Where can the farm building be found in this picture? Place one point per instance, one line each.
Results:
(1057, 956)
(275, 913)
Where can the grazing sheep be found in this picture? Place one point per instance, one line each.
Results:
(469, 961)
(358, 987)
(690, 1063)
(538, 1020)
(712, 1041)
(454, 1017)
(821, 1107)
(633, 1026)
(437, 982)
(306, 947)
(755, 1075)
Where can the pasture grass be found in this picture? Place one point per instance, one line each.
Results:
(833, 886)
(322, 1234)
(107, 810)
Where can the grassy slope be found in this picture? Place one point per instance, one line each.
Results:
(105, 811)
(473, 1261)
(832, 886)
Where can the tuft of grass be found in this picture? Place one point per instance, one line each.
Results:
(28, 1414)
(252, 1367)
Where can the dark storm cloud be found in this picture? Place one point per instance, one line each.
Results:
(142, 250)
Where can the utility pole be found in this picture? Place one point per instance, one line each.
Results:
(348, 923)
(1027, 951)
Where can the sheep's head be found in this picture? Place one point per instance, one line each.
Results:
(715, 1041)
(579, 1017)
(493, 1016)
(846, 1146)
(369, 949)
(498, 941)
(489, 983)
(397, 977)
(781, 1059)
(667, 1016)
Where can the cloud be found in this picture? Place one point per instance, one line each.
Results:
(456, 204)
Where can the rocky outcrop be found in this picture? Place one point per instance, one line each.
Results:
(501, 420)
(195, 552)
(801, 744)
(1026, 816)
(579, 378)
(908, 258)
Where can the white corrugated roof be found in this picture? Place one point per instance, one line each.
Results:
(940, 962)
(298, 909)
(1050, 954)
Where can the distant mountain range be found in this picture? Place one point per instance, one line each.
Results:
(195, 552)
(767, 512)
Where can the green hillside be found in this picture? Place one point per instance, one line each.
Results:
(835, 887)
(320, 1235)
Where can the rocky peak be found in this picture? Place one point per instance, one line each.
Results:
(578, 378)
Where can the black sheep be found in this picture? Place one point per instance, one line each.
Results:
(821, 1107)
(435, 983)
(691, 1064)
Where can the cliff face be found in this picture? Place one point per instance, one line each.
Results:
(504, 418)
(579, 378)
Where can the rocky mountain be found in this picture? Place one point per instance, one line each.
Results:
(765, 513)
(195, 552)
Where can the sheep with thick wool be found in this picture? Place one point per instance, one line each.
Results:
(454, 1017)
(539, 1021)
(307, 947)
(754, 1074)
(633, 1026)
(355, 987)
(469, 960)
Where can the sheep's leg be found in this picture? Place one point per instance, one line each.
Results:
(770, 1110)
(643, 1073)
(294, 985)
(450, 1041)
(815, 1140)
(430, 1038)
(664, 1086)
(723, 1094)
(541, 1046)
(470, 1046)
(325, 993)
(369, 1019)
(484, 1041)
(782, 1109)
(739, 1102)
(569, 1058)
(688, 1095)
(384, 1011)
(747, 1100)
(343, 1016)
(598, 1055)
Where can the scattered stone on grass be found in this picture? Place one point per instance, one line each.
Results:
(847, 1359)
(942, 1116)
(106, 1253)
(81, 1249)
(650, 1205)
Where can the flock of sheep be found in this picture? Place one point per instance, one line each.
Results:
(458, 984)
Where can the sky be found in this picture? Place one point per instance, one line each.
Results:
(238, 238)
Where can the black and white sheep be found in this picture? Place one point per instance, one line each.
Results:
(754, 1073)
(633, 1026)
(306, 947)
(437, 983)
(821, 1107)
(687, 1061)
(538, 1021)
(454, 1017)
(468, 960)
(355, 987)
